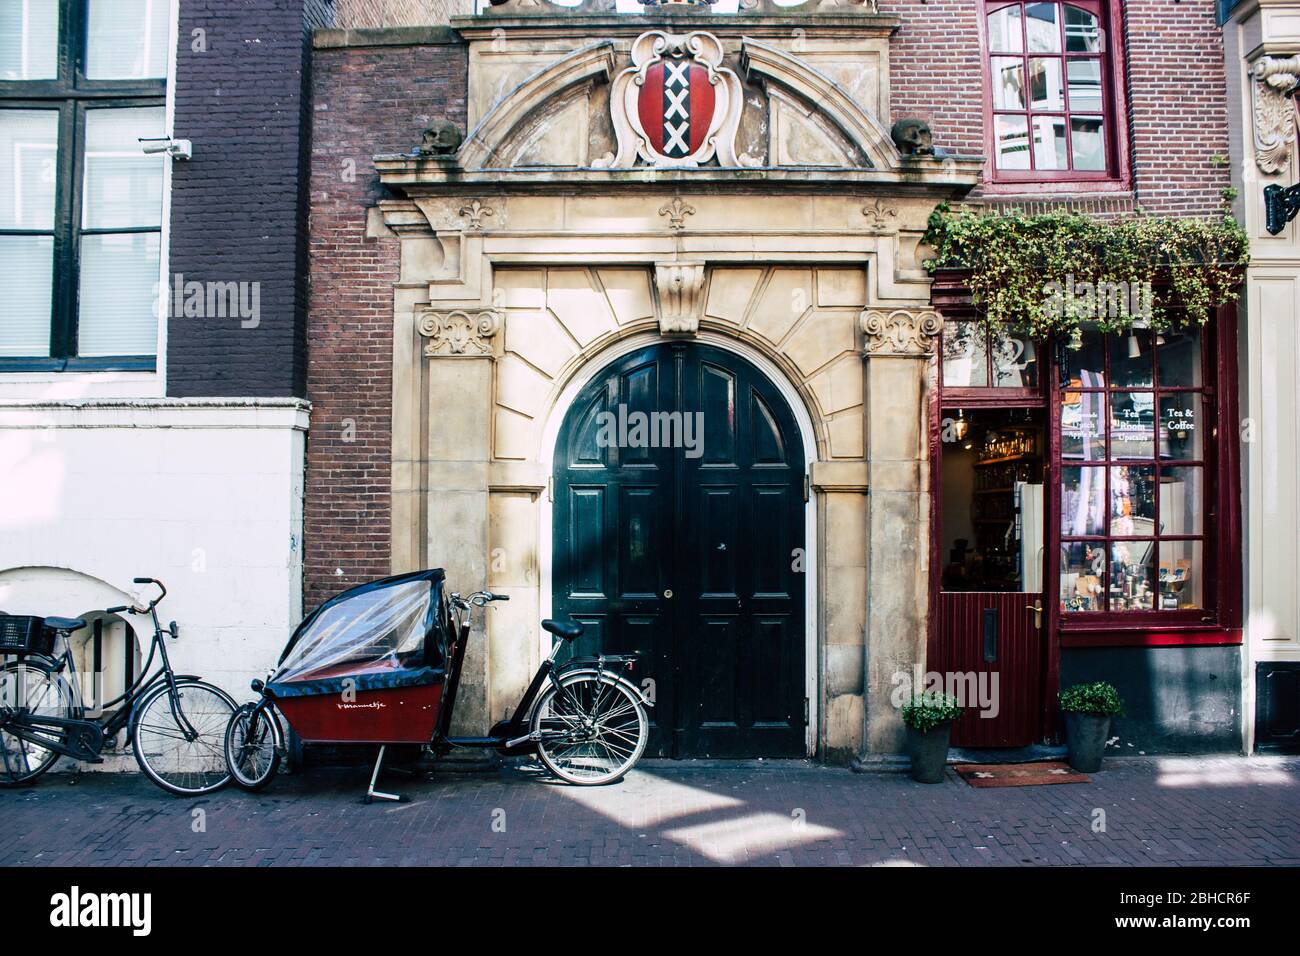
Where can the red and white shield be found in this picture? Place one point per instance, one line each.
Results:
(676, 106)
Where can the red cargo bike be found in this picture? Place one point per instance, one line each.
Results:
(381, 663)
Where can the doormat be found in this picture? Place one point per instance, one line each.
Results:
(1018, 774)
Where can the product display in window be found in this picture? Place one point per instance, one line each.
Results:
(1132, 405)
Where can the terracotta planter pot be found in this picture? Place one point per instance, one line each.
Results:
(929, 752)
(1085, 735)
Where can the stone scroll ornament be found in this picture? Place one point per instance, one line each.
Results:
(900, 331)
(676, 105)
(1272, 93)
(459, 332)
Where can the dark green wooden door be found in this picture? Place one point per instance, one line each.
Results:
(682, 542)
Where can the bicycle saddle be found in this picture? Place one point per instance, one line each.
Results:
(65, 623)
(569, 630)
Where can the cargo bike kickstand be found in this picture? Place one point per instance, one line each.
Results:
(381, 664)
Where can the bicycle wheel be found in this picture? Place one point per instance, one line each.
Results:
(253, 747)
(593, 728)
(36, 689)
(186, 767)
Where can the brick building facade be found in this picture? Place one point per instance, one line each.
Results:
(374, 499)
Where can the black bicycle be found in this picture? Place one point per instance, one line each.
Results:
(176, 722)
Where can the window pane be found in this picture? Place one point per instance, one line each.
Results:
(119, 291)
(1012, 142)
(127, 39)
(1132, 500)
(28, 154)
(1178, 355)
(1180, 426)
(1004, 30)
(1015, 361)
(1132, 576)
(123, 185)
(1083, 568)
(1046, 91)
(1082, 415)
(1089, 142)
(1131, 355)
(1043, 27)
(27, 278)
(1132, 425)
(1008, 75)
(1082, 493)
(1180, 500)
(1082, 33)
(1181, 575)
(29, 39)
(1049, 143)
(1085, 84)
(1086, 365)
(964, 353)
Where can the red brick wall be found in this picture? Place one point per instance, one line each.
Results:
(365, 100)
(1176, 99)
(935, 72)
(1178, 106)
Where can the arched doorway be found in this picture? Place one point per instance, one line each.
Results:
(679, 535)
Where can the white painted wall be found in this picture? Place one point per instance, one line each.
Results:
(205, 495)
(1270, 360)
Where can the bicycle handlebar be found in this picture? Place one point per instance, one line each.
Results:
(141, 610)
(478, 599)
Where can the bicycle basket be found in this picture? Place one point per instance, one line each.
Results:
(23, 634)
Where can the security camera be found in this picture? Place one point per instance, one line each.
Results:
(175, 148)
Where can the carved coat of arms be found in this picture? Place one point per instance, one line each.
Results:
(676, 105)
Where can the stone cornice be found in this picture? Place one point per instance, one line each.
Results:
(951, 176)
(618, 26)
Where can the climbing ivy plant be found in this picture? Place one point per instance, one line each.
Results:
(1054, 272)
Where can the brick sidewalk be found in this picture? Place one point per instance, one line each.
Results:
(1158, 811)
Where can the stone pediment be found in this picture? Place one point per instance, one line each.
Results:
(700, 97)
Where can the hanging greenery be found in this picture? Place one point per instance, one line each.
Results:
(1054, 272)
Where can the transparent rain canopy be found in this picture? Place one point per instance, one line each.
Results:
(375, 631)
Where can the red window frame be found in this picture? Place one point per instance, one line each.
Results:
(1221, 523)
(1219, 621)
(1116, 174)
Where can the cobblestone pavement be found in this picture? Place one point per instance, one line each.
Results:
(1157, 811)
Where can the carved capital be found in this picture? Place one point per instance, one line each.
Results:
(900, 331)
(1273, 86)
(459, 332)
(681, 296)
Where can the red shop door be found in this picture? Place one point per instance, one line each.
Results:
(989, 642)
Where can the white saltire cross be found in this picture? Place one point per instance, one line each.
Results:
(675, 103)
(675, 137)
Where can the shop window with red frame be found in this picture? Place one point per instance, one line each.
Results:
(1135, 464)
(1051, 91)
(975, 356)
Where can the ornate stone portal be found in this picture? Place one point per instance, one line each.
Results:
(684, 174)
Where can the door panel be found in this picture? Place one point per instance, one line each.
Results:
(613, 528)
(990, 637)
(716, 530)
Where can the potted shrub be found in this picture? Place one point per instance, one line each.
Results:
(929, 720)
(1088, 709)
